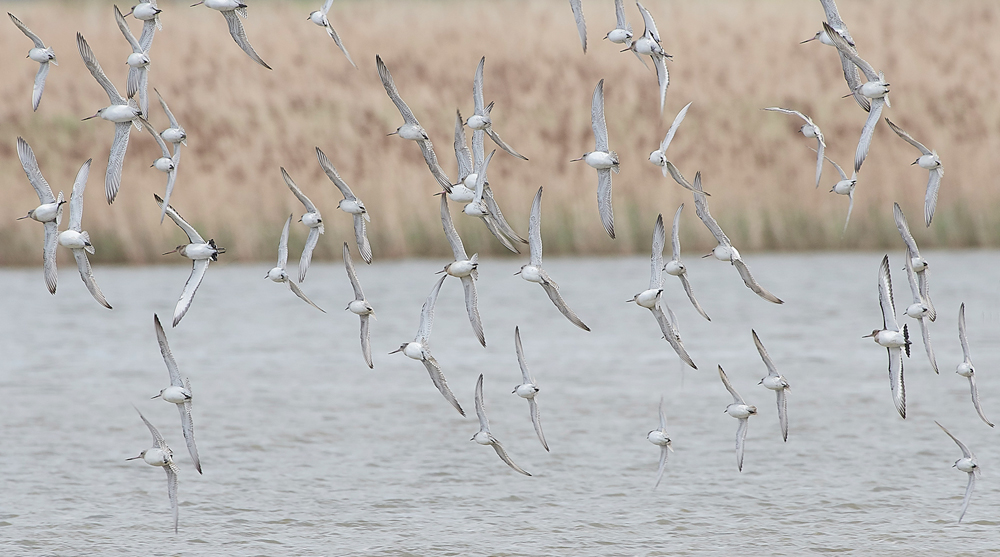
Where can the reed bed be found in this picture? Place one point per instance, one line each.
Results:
(731, 58)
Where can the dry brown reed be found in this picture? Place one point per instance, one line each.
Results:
(731, 58)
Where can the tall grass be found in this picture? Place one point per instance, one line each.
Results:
(731, 58)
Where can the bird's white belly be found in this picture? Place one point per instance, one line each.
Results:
(599, 160)
(644, 45)
(964, 369)
(658, 158)
(774, 383)
(725, 253)
(526, 390)
(808, 131)
(619, 36)
(409, 131)
(482, 438)
(929, 162)
(414, 350)
(277, 274)
(175, 394)
(461, 268)
(156, 457)
(460, 193)
(657, 437)
(874, 89)
(46, 212)
(137, 60)
(917, 310)
(352, 207)
(531, 273)
(318, 18)
(478, 122)
(144, 11)
(312, 220)
(119, 113)
(919, 264)
(40, 55)
(199, 251)
(222, 5)
(647, 298)
(476, 209)
(173, 135)
(890, 339)
(966, 465)
(674, 268)
(72, 239)
(740, 411)
(844, 187)
(164, 164)
(359, 307)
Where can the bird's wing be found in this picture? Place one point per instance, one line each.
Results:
(500, 143)
(866, 133)
(675, 237)
(535, 229)
(113, 179)
(478, 148)
(361, 238)
(912, 280)
(968, 495)
(504, 457)
(477, 89)
(725, 381)
(427, 148)
(340, 44)
(904, 231)
(472, 307)
(896, 382)
(87, 274)
(581, 25)
(351, 274)
(741, 437)
(302, 295)
(240, 36)
(149, 28)
(171, 179)
(975, 400)
(95, 70)
(454, 240)
(536, 421)
(333, 175)
(849, 51)
(925, 333)
(663, 416)
(34, 38)
(552, 289)
(663, 465)
(670, 334)
(656, 260)
(298, 193)
(525, 374)
(156, 136)
(390, 89)
(366, 341)
(427, 313)
(752, 284)
(604, 200)
(157, 438)
(307, 252)
(854, 82)
(434, 370)
(833, 18)
(189, 230)
(906, 137)
(966, 453)
(502, 225)
(620, 14)
(170, 115)
(885, 296)
(283, 244)
(820, 150)
(484, 422)
(805, 118)
(49, 256)
(35, 178)
(120, 19)
(673, 128)
(597, 120)
(783, 412)
(843, 175)
(701, 209)
(39, 87)
(187, 425)
(326, 7)
(961, 333)
(198, 268)
(930, 199)
(771, 369)
(662, 77)
(168, 356)
(171, 471)
(462, 154)
(690, 295)
(648, 21)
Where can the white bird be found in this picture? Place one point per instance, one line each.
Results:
(278, 272)
(809, 129)
(360, 307)
(465, 268)
(319, 17)
(419, 348)
(649, 44)
(166, 163)
(161, 455)
(230, 9)
(533, 272)
(178, 393)
(48, 212)
(77, 239)
(918, 310)
(659, 437)
(725, 251)
(123, 113)
(919, 263)
(465, 190)
(659, 156)
(484, 206)
(351, 205)
(875, 89)
(480, 120)
(41, 54)
(175, 134)
(742, 412)
(845, 186)
(928, 160)
(528, 389)
(200, 252)
(966, 464)
(312, 219)
(850, 70)
(777, 383)
(138, 64)
(411, 128)
(581, 25)
(966, 369)
(622, 33)
(651, 298)
(484, 436)
(149, 15)
(602, 158)
(675, 267)
(894, 339)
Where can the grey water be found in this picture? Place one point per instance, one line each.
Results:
(308, 452)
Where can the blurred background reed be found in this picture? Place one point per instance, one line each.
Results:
(731, 58)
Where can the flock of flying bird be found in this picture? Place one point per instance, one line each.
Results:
(473, 192)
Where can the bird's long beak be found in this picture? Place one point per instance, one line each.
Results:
(202, 2)
(130, 12)
(157, 396)
(709, 254)
(869, 336)
(21, 218)
(134, 457)
(393, 133)
(439, 272)
(579, 159)
(396, 350)
(89, 117)
(669, 448)
(171, 251)
(847, 95)
(632, 300)
(914, 162)
(807, 40)
(623, 50)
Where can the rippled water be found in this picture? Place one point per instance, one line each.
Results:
(308, 452)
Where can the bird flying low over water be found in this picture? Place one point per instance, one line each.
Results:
(919, 263)
(928, 160)
(200, 252)
(659, 437)
(178, 393)
(967, 464)
(918, 310)
(319, 17)
(48, 212)
(776, 382)
(891, 337)
(77, 239)
(966, 369)
(161, 455)
(484, 436)
(359, 306)
(602, 159)
(528, 389)
(742, 412)
(230, 9)
(41, 54)
(312, 219)
(278, 272)
(677, 268)
(464, 268)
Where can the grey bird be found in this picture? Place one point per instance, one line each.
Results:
(41, 54)
(484, 436)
